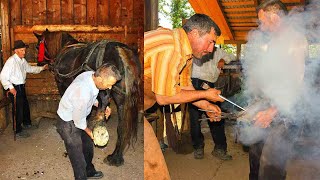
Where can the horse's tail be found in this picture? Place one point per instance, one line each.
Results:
(132, 69)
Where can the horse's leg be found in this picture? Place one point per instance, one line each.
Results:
(116, 158)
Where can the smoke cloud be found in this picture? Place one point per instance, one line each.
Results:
(278, 71)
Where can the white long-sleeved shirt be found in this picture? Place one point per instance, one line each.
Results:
(209, 70)
(15, 71)
(76, 103)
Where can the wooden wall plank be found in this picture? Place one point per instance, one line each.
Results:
(126, 12)
(39, 15)
(92, 12)
(53, 12)
(115, 12)
(15, 6)
(80, 11)
(138, 13)
(103, 12)
(26, 6)
(67, 12)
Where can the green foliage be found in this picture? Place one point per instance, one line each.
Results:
(175, 11)
(229, 48)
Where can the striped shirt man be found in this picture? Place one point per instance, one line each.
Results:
(167, 61)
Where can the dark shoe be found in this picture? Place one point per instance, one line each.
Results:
(221, 154)
(29, 127)
(96, 175)
(163, 146)
(198, 153)
(22, 134)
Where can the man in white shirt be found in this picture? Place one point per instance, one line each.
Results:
(13, 78)
(74, 107)
(208, 71)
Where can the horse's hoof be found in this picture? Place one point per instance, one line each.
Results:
(114, 160)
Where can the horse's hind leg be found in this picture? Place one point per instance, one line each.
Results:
(116, 158)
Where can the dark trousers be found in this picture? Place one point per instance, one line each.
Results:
(216, 128)
(79, 147)
(22, 112)
(268, 159)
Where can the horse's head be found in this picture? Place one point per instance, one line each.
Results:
(50, 44)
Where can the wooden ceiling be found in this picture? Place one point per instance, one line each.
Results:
(235, 17)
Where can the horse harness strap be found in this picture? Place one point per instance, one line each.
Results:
(84, 66)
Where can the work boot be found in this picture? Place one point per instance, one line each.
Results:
(198, 153)
(221, 154)
(22, 134)
(95, 175)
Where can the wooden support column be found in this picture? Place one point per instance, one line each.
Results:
(5, 30)
(151, 15)
(6, 51)
(238, 51)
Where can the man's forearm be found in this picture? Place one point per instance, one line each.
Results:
(185, 96)
(202, 104)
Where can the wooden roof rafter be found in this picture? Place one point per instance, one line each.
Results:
(238, 16)
(201, 6)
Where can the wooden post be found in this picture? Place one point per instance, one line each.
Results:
(151, 15)
(5, 30)
(6, 51)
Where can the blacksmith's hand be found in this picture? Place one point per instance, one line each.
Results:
(45, 67)
(89, 132)
(264, 118)
(216, 114)
(107, 112)
(13, 91)
(96, 103)
(213, 95)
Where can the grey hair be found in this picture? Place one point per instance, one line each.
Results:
(107, 70)
(202, 23)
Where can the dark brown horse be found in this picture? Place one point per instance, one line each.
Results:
(70, 58)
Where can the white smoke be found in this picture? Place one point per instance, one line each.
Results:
(278, 71)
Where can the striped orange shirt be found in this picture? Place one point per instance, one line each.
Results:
(167, 61)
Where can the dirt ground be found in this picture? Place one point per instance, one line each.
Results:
(185, 167)
(42, 155)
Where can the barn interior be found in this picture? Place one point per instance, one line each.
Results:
(236, 18)
(86, 21)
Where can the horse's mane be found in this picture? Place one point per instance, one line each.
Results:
(56, 41)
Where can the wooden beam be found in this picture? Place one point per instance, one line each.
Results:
(201, 6)
(237, 3)
(244, 20)
(246, 28)
(241, 33)
(235, 42)
(245, 14)
(229, 10)
(70, 28)
(244, 24)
